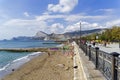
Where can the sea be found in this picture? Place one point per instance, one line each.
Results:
(10, 61)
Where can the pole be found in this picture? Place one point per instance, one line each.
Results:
(80, 32)
(115, 74)
(119, 43)
(97, 54)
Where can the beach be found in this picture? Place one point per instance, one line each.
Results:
(44, 67)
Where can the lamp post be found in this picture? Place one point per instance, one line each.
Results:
(119, 41)
(80, 32)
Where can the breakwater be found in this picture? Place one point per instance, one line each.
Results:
(24, 49)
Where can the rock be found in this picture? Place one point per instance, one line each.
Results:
(41, 34)
(61, 65)
(13, 69)
(67, 68)
(75, 67)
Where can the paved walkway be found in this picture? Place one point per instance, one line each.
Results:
(85, 69)
(79, 73)
(114, 47)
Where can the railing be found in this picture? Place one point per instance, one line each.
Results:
(118, 68)
(107, 63)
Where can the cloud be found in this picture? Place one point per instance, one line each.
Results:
(63, 6)
(113, 23)
(106, 10)
(84, 26)
(77, 17)
(22, 22)
(21, 27)
(71, 18)
(56, 28)
(47, 16)
(50, 23)
(26, 14)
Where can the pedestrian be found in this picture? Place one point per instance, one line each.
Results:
(71, 51)
(66, 49)
(105, 43)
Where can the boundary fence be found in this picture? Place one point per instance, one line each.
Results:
(107, 63)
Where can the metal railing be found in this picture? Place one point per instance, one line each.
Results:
(107, 63)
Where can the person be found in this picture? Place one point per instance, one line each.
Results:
(93, 43)
(65, 49)
(105, 43)
(72, 50)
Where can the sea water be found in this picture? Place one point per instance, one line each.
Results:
(10, 61)
(26, 44)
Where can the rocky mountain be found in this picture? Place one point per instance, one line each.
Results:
(22, 38)
(86, 32)
(54, 36)
(44, 36)
(41, 34)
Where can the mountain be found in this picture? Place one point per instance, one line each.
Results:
(86, 32)
(54, 36)
(40, 35)
(22, 38)
(44, 36)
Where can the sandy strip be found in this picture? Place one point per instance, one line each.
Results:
(54, 67)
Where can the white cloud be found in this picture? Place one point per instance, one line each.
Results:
(56, 28)
(24, 27)
(106, 10)
(26, 14)
(84, 26)
(113, 23)
(22, 23)
(77, 17)
(70, 18)
(46, 17)
(20, 27)
(63, 6)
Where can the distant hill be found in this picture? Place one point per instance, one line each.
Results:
(54, 36)
(22, 38)
(86, 32)
(40, 35)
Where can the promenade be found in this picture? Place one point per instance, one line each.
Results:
(85, 69)
(109, 48)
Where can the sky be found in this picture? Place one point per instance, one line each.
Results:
(26, 17)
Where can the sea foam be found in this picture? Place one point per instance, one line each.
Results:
(15, 64)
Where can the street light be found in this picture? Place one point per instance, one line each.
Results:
(80, 32)
(119, 43)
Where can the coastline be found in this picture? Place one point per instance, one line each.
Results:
(54, 67)
(17, 63)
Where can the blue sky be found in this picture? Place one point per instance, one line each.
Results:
(26, 17)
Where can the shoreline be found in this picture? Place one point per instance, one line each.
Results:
(17, 63)
(56, 66)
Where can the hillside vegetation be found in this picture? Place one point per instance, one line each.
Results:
(112, 34)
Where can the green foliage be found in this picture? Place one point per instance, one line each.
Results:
(112, 34)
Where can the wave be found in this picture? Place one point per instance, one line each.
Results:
(61, 45)
(15, 64)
